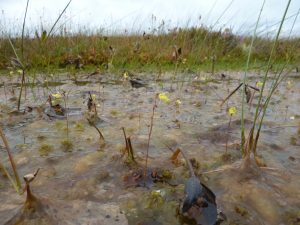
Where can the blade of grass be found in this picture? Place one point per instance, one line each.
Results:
(21, 89)
(15, 53)
(60, 15)
(266, 77)
(23, 30)
(223, 13)
(245, 80)
(278, 79)
(22, 57)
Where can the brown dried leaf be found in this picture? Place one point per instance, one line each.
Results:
(175, 154)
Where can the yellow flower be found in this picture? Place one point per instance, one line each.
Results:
(184, 61)
(57, 95)
(125, 75)
(156, 193)
(20, 71)
(178, 102)
(163, 97)
(259, 84)
(93, 97)
(203, 78)
(289, 84)
(232, 110)
(11, 72)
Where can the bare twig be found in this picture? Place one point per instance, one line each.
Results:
(66, 112)
(192, 173)
(9, 177)
(93, 124)
(130, 150)
(235, 90)
(11, 159)
(228, 134)
(125, 138)
(150, 132)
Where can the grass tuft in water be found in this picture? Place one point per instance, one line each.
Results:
(66, 145)
(45, 149)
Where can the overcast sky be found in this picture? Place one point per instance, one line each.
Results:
(142, 15)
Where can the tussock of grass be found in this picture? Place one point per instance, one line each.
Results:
(45, 149)
(79, 126)
(66, 145)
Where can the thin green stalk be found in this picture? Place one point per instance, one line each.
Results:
(222, 14)
(265, 79)
(228, 134)
(22, 57)
(21, 89)
(217, 21)
(60, 15)
(150, 133)
(15, 53)
(23, 30)
(245, 80)
(67, 116)
(275, 84)
(294, 22)
(278, 78)
(272, 25)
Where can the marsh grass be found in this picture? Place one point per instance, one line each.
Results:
(66, 145)
(20, 63)
(250, 146)
(245, 79)
(201, 48)
(45, 149)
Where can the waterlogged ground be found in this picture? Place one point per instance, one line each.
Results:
(83, 181)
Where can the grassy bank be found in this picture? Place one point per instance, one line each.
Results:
(193, 48)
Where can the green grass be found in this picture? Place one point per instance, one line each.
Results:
(144, 53)
(275, 79)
